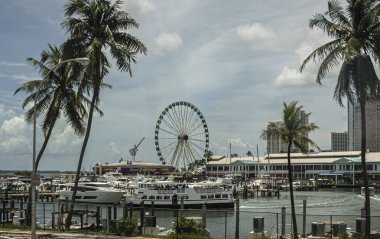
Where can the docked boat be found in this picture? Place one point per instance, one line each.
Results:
(371, 191)
(169, 194)
(92, 192)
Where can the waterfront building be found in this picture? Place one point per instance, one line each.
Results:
(133, 168)
(372, 124)
(346, 165)
(339, 141)
(277, 145)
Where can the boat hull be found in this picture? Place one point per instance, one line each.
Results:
(188, 205)
(93, 197)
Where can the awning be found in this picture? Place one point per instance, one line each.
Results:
(331, 174)
(348, 160)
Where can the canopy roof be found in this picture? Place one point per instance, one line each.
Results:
(244, 161)
(349, 160)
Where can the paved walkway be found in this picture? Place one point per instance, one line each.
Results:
(6, 233)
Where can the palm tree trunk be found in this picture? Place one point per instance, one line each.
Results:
(364, 167)
(290, 172)
(83, 150)
(43, 147)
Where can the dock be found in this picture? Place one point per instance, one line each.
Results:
(22, 195)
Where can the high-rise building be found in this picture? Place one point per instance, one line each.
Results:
(277, 145)
(372, 114)
(339, 141)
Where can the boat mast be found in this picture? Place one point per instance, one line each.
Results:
(230, 158)
(258, 161)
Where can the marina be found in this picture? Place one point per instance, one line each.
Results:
(324, 205)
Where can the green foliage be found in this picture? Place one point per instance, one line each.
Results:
(187, 236)
(125, 227)
(189, 226)
(23, 173)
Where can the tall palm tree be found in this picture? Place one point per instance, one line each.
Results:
(293, 130)
(96, 26)
(355, 34)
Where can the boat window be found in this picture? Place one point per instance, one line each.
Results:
(151, 197)
(143, 197)
(78, 197)
(166, 197)
(203, 196)
(89, 197)
(103, 185)
(86, 189)
(224, 195)
(159, 197)
(211, 196)
(218, 196)
(186, 197)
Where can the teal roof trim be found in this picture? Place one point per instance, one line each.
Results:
(244, 161)
(350, 160)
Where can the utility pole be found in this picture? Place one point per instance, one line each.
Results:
(258, 161)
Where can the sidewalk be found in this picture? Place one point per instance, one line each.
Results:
(6, 233)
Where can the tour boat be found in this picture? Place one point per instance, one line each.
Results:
(92, 192)
(169, 194)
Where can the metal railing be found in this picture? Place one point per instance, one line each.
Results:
(220, 223)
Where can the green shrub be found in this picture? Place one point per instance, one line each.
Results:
(189, 226)
(125, 227)
(187, 236)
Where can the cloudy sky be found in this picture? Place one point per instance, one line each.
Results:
(236, 61)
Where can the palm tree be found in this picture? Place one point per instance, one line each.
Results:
(96, 26)
(55, 97)
(355, 34)
(293, 130)
(55, 94)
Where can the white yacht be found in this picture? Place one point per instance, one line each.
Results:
(92, 192)
(370, 189)
(169, 194)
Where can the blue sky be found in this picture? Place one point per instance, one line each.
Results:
(236, 61)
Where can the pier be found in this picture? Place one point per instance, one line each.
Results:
(22, 195)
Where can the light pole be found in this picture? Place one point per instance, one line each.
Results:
(35, 178)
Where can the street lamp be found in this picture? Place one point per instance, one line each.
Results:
(35, 179)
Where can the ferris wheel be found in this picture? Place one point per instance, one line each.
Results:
(181, 135)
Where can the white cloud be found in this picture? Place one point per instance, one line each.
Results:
(256, 35)
(168, 42)
(15, 136)
(137, 7)
(14, 126)
(291, 76)
(63, 140)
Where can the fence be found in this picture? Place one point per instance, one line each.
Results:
(220, 223)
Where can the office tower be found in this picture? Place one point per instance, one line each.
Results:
(339, 141)
(372, 126)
